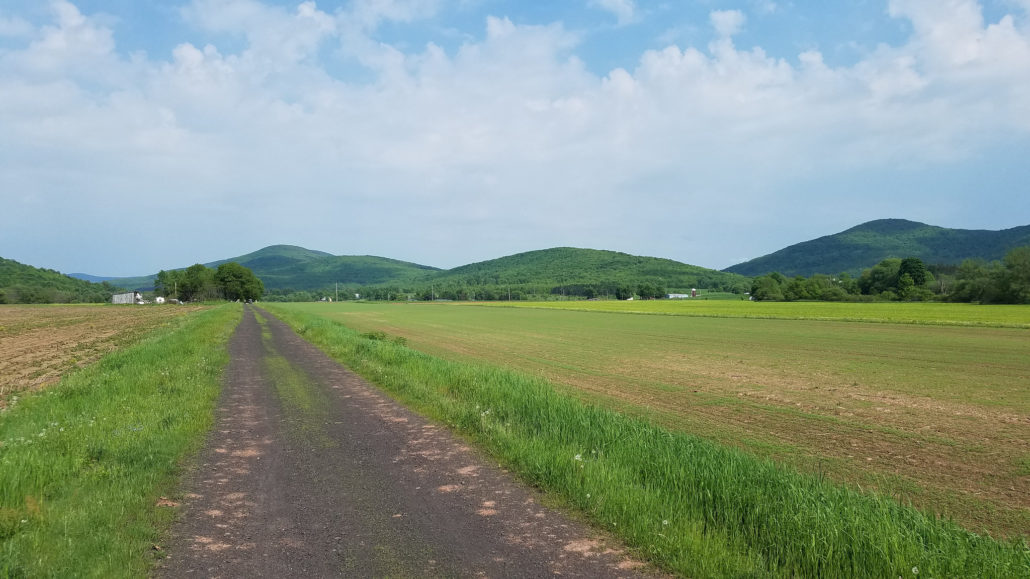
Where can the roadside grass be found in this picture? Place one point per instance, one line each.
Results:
(83, 463)
(931, 313)
(689, 505)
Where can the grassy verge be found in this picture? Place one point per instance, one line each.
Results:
(83, 463)
(692, 506)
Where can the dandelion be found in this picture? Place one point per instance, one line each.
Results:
(588, 495)
(915, 570)
(578, 457)
(665, 523)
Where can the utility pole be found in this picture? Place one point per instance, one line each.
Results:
(337, 291)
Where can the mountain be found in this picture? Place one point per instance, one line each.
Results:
(20, 283)
(865, 245)
(574, 266)
(89, 278)
(297, 268)
(292, 267)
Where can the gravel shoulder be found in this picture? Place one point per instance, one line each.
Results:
(312, 471)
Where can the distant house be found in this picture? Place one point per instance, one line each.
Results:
(127, 298)
(159, 300)
(677, 296)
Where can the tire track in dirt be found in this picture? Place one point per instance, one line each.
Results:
(310, 471)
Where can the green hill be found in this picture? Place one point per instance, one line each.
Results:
(569, 266)
(283, 267)
(25, 284)
(866, 245)
(292, 267)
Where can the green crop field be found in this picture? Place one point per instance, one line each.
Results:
(932, 313)
(672, 449)
(936, 415)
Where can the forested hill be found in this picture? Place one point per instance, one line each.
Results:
(293, 267)
(25, 284)
(866, 245)
(567, 266)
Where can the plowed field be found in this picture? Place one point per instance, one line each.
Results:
(38, 344)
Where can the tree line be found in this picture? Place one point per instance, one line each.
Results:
(909, 279)
(230, 281)
(455, 291)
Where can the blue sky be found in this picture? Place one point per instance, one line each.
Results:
(142, 135)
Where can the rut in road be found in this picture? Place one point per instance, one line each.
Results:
(311, 471)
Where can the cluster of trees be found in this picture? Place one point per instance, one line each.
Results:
(892, 279)
(198, 282)
(1005, 282)
(42, 294)
(909, 279)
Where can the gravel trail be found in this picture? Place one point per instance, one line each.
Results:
(312, 472)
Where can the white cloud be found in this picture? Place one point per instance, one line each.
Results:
(14, 27)
(625, 11)
(765, 6)
(488, 148)
(371, 13)
(276, 37)
(727, 22)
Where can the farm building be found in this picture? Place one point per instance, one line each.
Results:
(692, 294)
(127, 298)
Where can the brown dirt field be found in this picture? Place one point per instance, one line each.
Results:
(39, 344)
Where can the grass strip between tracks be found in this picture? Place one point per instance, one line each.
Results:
(83, 463)
(686, 504)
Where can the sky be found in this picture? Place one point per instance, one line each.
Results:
(138, 135)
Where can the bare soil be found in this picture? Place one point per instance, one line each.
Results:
(311, 471)
(39, 344)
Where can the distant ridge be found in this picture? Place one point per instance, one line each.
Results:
(298, 268)
(865, 245)
(576, 266)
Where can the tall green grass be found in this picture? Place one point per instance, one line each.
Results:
(687, 504)
(83, 463)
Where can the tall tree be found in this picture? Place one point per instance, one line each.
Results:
(916, 269)
(197, 283)
(238, 282)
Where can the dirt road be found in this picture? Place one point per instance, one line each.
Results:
(312, 472)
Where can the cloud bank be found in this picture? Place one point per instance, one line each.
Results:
(305, 126)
